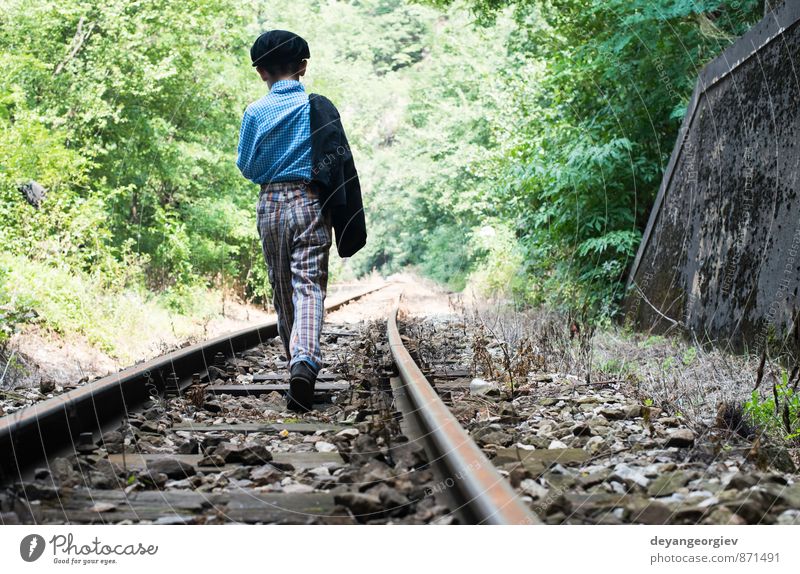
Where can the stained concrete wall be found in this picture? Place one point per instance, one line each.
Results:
(721, 254)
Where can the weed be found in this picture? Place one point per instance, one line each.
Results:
(197, 395)
(776, 415)
(652, 341)
(647, 406)
(482, 361)
(689, 355)
(668, 363)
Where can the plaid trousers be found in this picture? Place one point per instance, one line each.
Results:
(296, 239)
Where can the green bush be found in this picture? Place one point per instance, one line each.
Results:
(499, 258)
(128, 113)
(585, 108)
(777, 415)
(441, 261)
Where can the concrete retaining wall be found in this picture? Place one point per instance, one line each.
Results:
(721, 253)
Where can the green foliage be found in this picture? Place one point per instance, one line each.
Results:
(440, 261)
(548, 122)
(428, 180)
(777, 415)
(7, 320)
(127, 113)
(501, 257)
(593, 92)
(58, 300)
(120, 322)
(652, 341)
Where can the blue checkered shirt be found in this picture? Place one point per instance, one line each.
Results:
(275, 138)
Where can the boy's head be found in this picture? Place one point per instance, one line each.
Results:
(279, 55)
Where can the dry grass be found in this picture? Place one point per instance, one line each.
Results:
(670, 373)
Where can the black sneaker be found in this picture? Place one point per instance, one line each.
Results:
(301, 387)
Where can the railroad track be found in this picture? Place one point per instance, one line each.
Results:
(201, 435)
(467, 479)
(47, 428)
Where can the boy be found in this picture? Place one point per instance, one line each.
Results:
(294, 147)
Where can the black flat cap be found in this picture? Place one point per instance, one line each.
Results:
(278, 47)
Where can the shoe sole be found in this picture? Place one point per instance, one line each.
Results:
(301, 395)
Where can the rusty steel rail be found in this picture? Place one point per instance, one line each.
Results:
(50, 427)
(476, 491)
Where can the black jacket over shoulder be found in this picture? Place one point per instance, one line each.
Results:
(334, 171)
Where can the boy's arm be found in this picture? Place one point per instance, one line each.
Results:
(247, 147)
